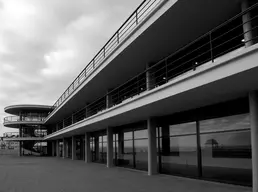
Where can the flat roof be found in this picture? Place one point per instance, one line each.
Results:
(16, 109)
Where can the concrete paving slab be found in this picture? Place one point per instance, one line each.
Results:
(51, 174)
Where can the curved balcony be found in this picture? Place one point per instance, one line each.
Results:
(16, 121)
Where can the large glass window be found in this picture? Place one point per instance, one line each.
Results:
(141, 149)
(178, 149)
(226, 149)
(128, 157)
(131, 147)
(98, 144)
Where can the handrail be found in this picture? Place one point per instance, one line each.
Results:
(10, 119)
(206, 48)
(137, 17)
(10, 134)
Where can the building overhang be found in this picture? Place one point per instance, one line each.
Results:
(16, 124)
(231, 76)
(16, 109)
(173, 25)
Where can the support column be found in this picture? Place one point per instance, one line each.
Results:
(74, 148)
(87, 148)
(247, 26)
(152, 147)
(109, 147)
(253, 105)
(64, 151)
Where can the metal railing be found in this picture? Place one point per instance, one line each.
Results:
(136, 18)
(223, 39)
(11, 134)
(11, 119)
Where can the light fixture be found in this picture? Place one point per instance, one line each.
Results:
(243, 40)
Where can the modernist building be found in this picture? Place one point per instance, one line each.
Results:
(174, 91)
(29, 120)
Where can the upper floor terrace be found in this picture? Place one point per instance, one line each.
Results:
(16, 121)
(164, 30)
(26, 114)
(223, 44)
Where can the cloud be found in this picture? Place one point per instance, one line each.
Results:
(41, 42)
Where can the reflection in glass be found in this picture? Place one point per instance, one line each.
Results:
(141, 134)
(127, 158)
(178, 149)
(141, 154)
(226, 149)
(182, 159)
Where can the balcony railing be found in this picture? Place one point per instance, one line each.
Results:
(136, 18)
(11, 134)
(223, 39)
(11, 119)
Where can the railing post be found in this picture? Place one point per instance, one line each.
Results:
(72, 118)
(136, 17)
(104, 52)
(211, 49)
(166, 64)
(117, 35)
(93, 63)
(138, 87)
(247, 24)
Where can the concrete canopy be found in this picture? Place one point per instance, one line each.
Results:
(174, 25)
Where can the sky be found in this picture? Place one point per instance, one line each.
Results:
(44, 45)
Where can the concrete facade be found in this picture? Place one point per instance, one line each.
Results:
(187, 105)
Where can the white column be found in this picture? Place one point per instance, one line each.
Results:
(109, 147)
(64, 144)
(253, 105)
(74, 148)
(247, 26)
(87, 148)
(152, 147)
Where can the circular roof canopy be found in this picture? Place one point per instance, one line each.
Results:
(16, 109)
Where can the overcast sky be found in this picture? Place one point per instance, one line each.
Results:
(45, 44)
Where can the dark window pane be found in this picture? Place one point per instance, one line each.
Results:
(226, 156)
(236, 122)
(141, 134)
(141, 154)
(182, 129)
(182, 159)
(128, 135)
(126, 159)
(179, 149)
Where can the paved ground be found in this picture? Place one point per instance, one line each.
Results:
(49, 174)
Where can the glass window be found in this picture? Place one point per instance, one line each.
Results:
(226, 149)
(182, 129)
(127, 159)
(128, 135)
(179, 149)
(141, 134)
(141, 154)
(236, 122)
